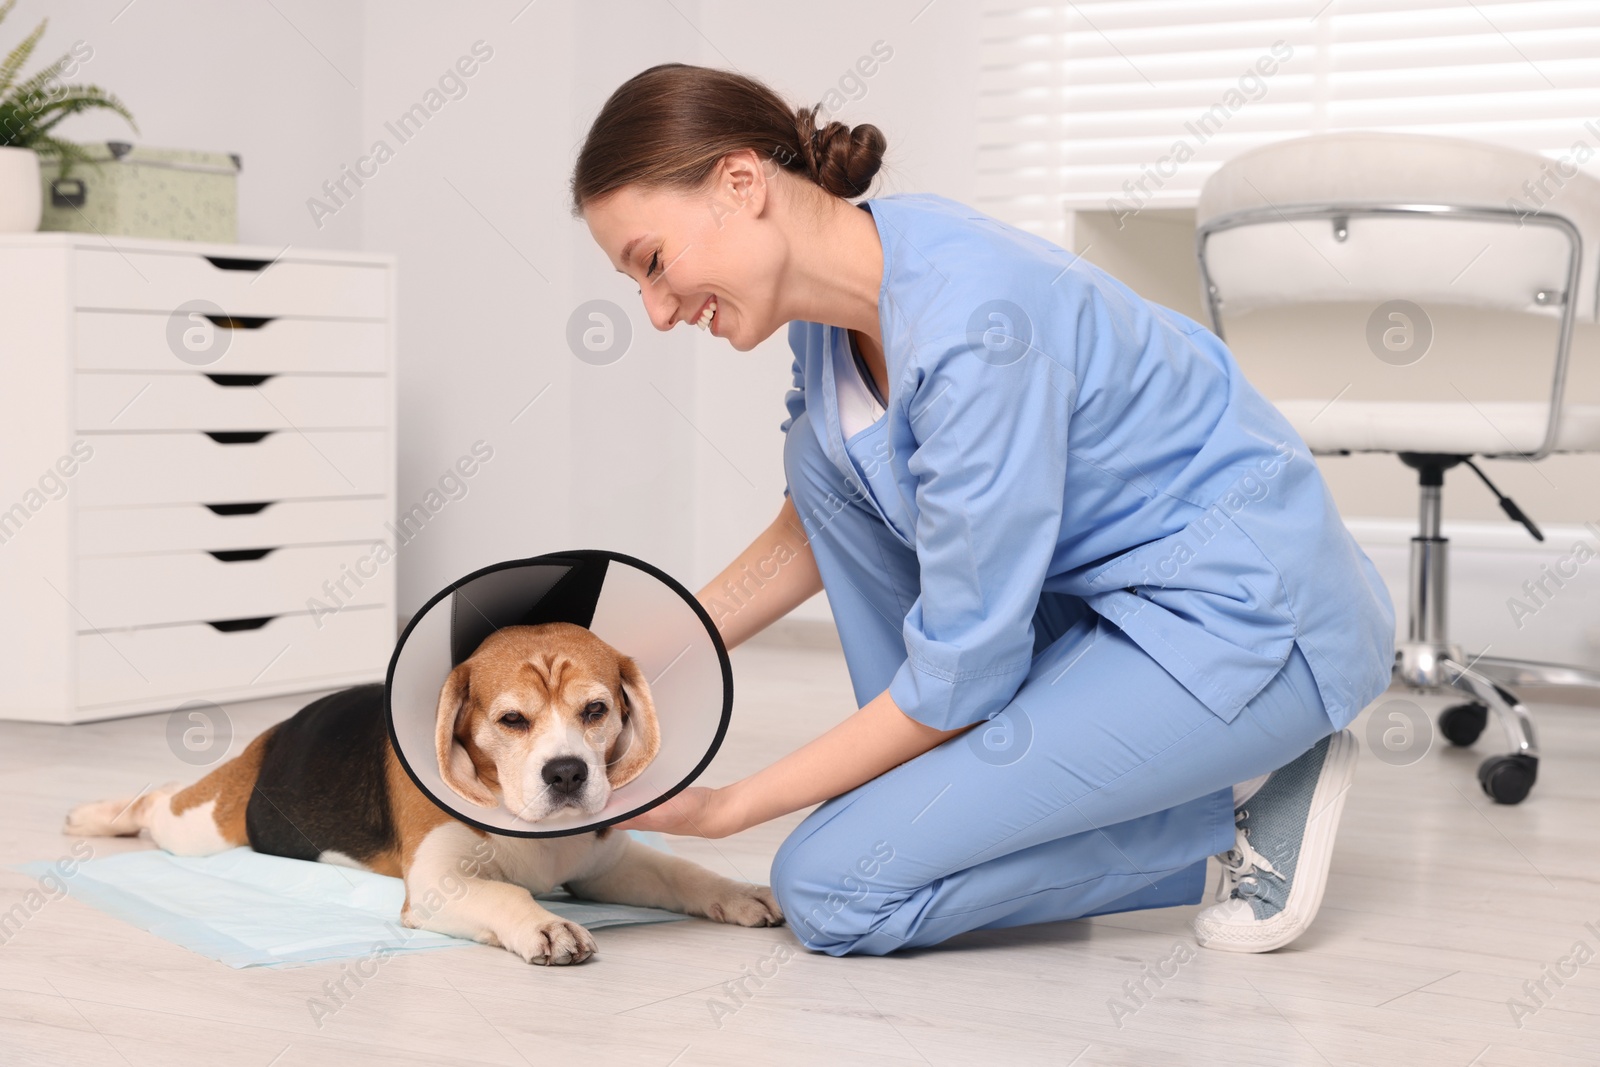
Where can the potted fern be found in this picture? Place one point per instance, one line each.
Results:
(29, 111)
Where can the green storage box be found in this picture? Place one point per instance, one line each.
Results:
(136, 191)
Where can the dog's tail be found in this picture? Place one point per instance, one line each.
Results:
(202, 819)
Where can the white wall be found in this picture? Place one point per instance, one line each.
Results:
(279, 84)
(472, 206)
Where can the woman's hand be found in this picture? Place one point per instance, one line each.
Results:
(697, 811)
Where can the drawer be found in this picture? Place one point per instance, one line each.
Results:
(195, 527)
(122, 591)
(186, 468)
(118, 340)
(164, 281)
(199, 661)
(195, 401)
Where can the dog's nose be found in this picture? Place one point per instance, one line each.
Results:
(566, 775)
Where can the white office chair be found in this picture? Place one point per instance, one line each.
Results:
(1381, 217)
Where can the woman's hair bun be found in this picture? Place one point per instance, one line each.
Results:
(670, 126)
(842, 159)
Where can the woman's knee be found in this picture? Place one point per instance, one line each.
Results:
(816, 485)
(831, 892)
(803, 458)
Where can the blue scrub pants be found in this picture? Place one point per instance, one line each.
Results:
(1102, 787)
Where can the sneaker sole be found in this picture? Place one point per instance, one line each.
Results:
(1311, 870)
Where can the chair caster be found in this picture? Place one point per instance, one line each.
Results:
(1461, 724)
(1508, 778)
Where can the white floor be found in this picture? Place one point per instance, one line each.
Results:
(1441, 906)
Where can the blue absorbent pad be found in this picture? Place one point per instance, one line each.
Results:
(247, 909)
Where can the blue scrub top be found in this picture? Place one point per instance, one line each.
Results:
(1048, 432)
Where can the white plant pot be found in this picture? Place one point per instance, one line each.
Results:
(21, 198)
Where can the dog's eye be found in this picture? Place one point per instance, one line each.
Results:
(596, 709)
(513, 718)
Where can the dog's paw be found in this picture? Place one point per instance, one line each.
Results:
(743, 904)
(554, 941)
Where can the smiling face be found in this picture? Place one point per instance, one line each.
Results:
(545, 719)
(686, 249)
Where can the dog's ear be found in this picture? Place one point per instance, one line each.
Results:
(640, 740)
(455, 766)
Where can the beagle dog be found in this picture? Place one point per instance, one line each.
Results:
(539, 719)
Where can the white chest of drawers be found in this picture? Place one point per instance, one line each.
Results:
(197, 460)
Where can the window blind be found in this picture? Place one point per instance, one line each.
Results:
(1111, 104)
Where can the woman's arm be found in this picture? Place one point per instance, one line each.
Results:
(877, 738)
(760, 596)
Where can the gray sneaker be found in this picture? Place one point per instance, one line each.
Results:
(1272, 879)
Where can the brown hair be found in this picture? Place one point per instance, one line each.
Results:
(670, 125)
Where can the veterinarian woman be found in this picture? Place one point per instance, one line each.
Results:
(1100, 613)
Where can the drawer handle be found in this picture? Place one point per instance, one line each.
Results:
(236, 437)
(241, 555)
(235, 381)
(240, 509)
(229, 626)
(238, 263)
(239, 322)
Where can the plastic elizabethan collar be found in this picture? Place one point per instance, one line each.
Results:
(637, 609)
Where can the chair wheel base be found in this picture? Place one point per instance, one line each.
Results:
(1508, 779)
(1462, 724)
